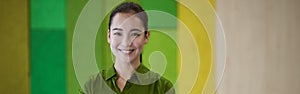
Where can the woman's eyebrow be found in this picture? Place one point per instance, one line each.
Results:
(136, 30)
(119, 29)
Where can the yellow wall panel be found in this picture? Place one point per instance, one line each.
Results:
(198, 20)
(14, 63)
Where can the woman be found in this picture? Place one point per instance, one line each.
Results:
(127, 35)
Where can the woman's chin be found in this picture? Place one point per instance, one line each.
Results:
(128, 60)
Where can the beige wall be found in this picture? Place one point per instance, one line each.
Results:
(263, 41)
(14, 66)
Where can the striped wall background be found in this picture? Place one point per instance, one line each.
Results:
(261, 35)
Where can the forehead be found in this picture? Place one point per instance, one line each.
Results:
(126, 20)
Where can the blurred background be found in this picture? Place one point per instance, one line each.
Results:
(262, 41)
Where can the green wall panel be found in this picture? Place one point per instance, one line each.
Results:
(47, 55)
(47, 13)
(160, 41)
(168, 6)
(73, 9)
(164, 44)
(47, 47)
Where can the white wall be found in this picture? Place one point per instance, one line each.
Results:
(263, 42)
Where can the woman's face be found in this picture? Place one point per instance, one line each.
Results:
(126, 37)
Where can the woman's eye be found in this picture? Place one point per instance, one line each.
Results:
(135, 34)
(117, 33)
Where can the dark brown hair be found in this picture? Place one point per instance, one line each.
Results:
(130, 7)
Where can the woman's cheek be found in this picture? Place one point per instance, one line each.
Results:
(114, 45)
(139, 44)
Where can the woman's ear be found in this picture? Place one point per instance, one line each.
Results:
(108, 36)
(147, 35)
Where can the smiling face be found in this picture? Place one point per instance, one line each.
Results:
(127, 37)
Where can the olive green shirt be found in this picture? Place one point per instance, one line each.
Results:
(143, 81)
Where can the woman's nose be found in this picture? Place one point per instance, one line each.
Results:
(127, 41)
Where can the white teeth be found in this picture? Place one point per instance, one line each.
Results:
(127, 51)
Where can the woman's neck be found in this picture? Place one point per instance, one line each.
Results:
(125, 69)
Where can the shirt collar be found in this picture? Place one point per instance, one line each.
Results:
(109, 73)
(112, 73)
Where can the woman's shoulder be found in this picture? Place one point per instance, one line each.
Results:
(166, 85)
(96, 84)
(99, 75)
(165, 82)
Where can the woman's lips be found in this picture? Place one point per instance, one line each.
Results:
(126, 51)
